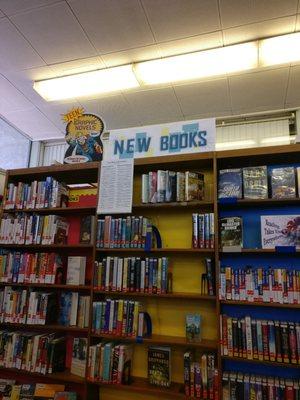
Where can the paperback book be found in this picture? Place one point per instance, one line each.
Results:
(231, 233)
(193, 327)
(283, 183)
(230, 183)
(159, 366)
(255, 182)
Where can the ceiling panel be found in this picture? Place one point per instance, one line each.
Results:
(175, 19)
(57, 39)
(113, 25)
(55, 112)
(133, 55)
(34, 123)
(115, 111)
(278, 26)
(11, 99)
(235, 13)
(195, 43)
(293, 92)
(15, 52)
(258, 90)
(10, 7)
(205, 98)
(155, 106)
(1, 14)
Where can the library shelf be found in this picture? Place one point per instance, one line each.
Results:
(172, 205)
(258, 304)
(263, 362)
(54, 286)
(205, 344)
(56, 247)
(173, 295)
(261, 251)
(47, 327)
(154, 250)
(64, 376)
(141, 385)
(54, 210)
(259, 202)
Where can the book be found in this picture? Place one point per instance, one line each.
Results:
(153, 187)
(180, 186)
(255, 182)
(79, 355)
(65, 396)
(230, 183)
(145, 188)
(170, 186)
(47, 390)
(194, 186)
(283, 183)
(159, 366)
(87, 229)
(280, 230)
(161, 186)
(76, 270)
(231, 232)
(193, 327)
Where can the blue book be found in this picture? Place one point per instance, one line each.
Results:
(230, 183)
(106, 361)
(65, 308)
(107, 314)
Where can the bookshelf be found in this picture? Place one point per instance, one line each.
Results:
(169, 309)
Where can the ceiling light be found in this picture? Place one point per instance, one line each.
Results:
(235, 144)
(200, 64)
(279, 50)
(87, 84)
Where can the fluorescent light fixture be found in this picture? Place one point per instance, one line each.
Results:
(279, 50)
(88, 83)
(207, 63)
(235, 144)
(277, 139)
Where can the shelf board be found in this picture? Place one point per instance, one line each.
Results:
(205, 344)
(55, 210)
(260, 202)
(64, 376)
(264, 362)
(258, 251)
(173, 295)
(181, 204)
(75, 288)
(258, 304)
(78, 246)
(163, 250)
(141, 385)
(53, 327)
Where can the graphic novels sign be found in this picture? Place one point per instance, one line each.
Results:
(83, 135)
(183, 137)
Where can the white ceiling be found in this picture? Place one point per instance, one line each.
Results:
(46, 38)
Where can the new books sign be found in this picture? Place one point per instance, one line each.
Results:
(183, 137)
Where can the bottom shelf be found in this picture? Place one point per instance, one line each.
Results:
(64, 376)
(141, 385)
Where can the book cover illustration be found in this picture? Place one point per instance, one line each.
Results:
(194, 186)
(231, 232)
(283, 183)
(193, 327)
(280, 230)
(255, 181)
(86, 229)
(79, 354)
(159, 366)
(230, 183)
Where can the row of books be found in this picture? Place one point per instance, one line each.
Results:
(169, 186)
(74, 310)
(20, 306)
(110, 363)
(129, 232)
(120, 317)
(256, 339)
(272, 285)
(200, 376)
(28, 351)
(33, 229)
(37, 194)
(9, 389)
(203, 231)
(253, 183)
(240, 386)
(132, 274)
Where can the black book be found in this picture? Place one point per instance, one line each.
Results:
(159, 366)
(86, 229)
(210, 273)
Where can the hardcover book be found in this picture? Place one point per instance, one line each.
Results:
(161, 186)
(230, 183)
(255, 181)
(159, 366)
(76, 270)
(283, 183)
(194, 186)
(87, 229)
(180, 186)
(231, 233)
(170, 186)
(193, 327)
(145, 188)
(79, 354)
(280, 230)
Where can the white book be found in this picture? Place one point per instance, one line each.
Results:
(115, 274)
(76, 270)
(107, 273)
(143, 268)
(249, 338)
(74, 308)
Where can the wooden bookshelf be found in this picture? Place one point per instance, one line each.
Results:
(54, 210)
(47, 328)
(54, 247)
(258, 304)
(261, 251)
(263, 362)
(173, 295)
(163, 250)
(74, 288)
(176, 205)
